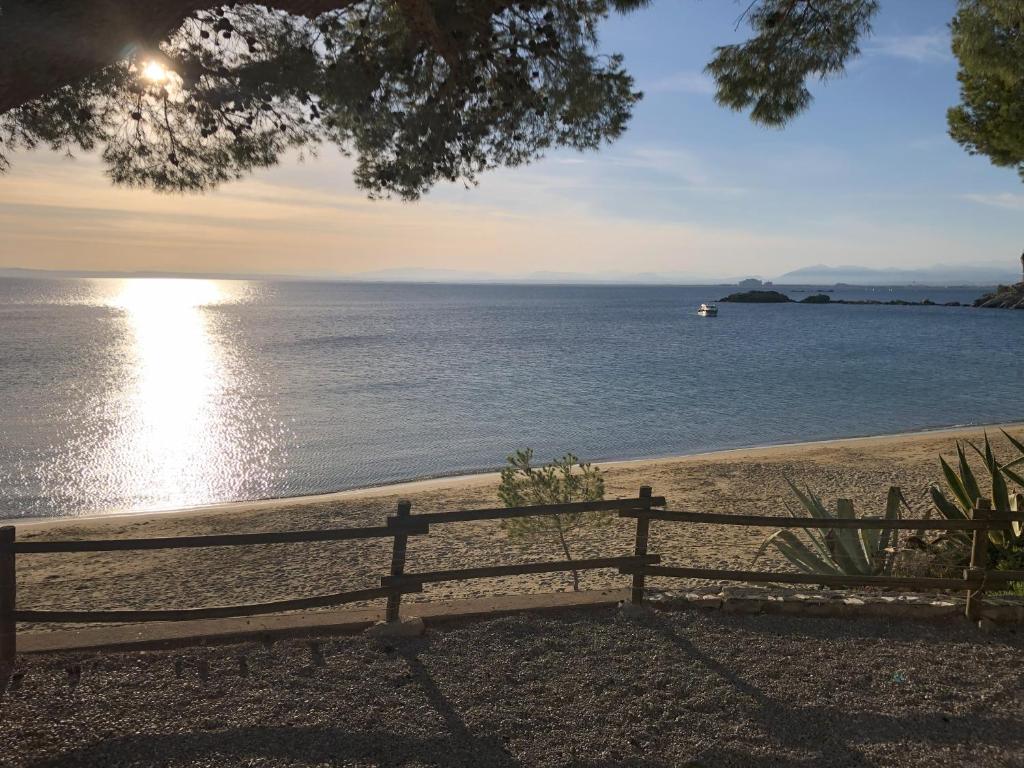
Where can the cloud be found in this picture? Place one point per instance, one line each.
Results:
(923, 48)
(1006, 200)
(681, 82)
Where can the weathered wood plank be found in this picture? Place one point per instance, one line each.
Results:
(8, 598)
(979, 560)
(769, 577)
(643, 532)
(190, 614)
(398, 563)
(1003, 576)
(503, 513)
(771, 521)
(492, 571)
(413, 527)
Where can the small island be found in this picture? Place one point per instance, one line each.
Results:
(820, 298)
(757, 297)
(775, 297)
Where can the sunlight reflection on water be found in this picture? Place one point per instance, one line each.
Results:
(176, 422)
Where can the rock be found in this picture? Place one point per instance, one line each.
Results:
(631, 610)
(411, 626)
(1004, 297)
(816, 298)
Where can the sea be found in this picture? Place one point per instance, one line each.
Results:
(139, 394)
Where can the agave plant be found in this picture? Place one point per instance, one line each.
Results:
(965, 490)
(853, 552)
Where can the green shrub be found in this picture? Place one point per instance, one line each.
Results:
(560, 482)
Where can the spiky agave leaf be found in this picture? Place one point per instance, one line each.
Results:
(1000, 493)
(1016, 444)
(852, 553)
(956, 485)
(1000, 500)
(794, 550)
(1017, 505)
(815, 535)
(946, 508)
(879, 541)
(1018, 527)
(1018, 479)
(970, 482)
(849, 556)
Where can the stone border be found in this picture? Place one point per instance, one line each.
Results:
(1001, 609)
(730, 599)
(344, 621)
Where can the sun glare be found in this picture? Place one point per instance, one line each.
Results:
(154, 71)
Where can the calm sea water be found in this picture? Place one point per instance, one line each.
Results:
(153, 394)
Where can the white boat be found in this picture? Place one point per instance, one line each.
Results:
(708, 310)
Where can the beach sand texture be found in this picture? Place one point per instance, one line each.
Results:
(745, 481)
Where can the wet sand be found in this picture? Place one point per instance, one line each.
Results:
(742, 481)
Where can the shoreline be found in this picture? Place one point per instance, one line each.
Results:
(473, 479)
(737, 481)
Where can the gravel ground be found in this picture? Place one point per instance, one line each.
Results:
(583, 689)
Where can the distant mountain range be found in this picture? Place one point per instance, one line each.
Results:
(413, 275)
(938, 275)
(981, 274)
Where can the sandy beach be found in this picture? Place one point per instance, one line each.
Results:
(740, 481)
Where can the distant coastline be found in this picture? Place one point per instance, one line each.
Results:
(794, 281)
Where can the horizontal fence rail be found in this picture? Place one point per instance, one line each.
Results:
(645, 508)
(771, 521)
(191, 614)
(220, 540)
(640, 506)
(493, 571)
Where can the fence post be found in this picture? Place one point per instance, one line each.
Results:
(979, 559)
(8, 591)
(398, 562)
(643, 530)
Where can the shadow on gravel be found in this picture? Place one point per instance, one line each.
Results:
(313, 746)
(307, 744)
(299, 745)
(828, 730)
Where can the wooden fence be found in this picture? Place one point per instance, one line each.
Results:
(645, 508)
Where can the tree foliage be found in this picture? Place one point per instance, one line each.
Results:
(793, 41)
(417, 91)
(988, 40)
(561, 482)
(420, 91)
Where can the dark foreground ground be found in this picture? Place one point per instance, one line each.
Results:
(583, 689)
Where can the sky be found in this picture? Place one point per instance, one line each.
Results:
(866, 177)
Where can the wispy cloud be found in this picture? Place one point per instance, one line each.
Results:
(926, 47)
(681, 82)
(1007, 200)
